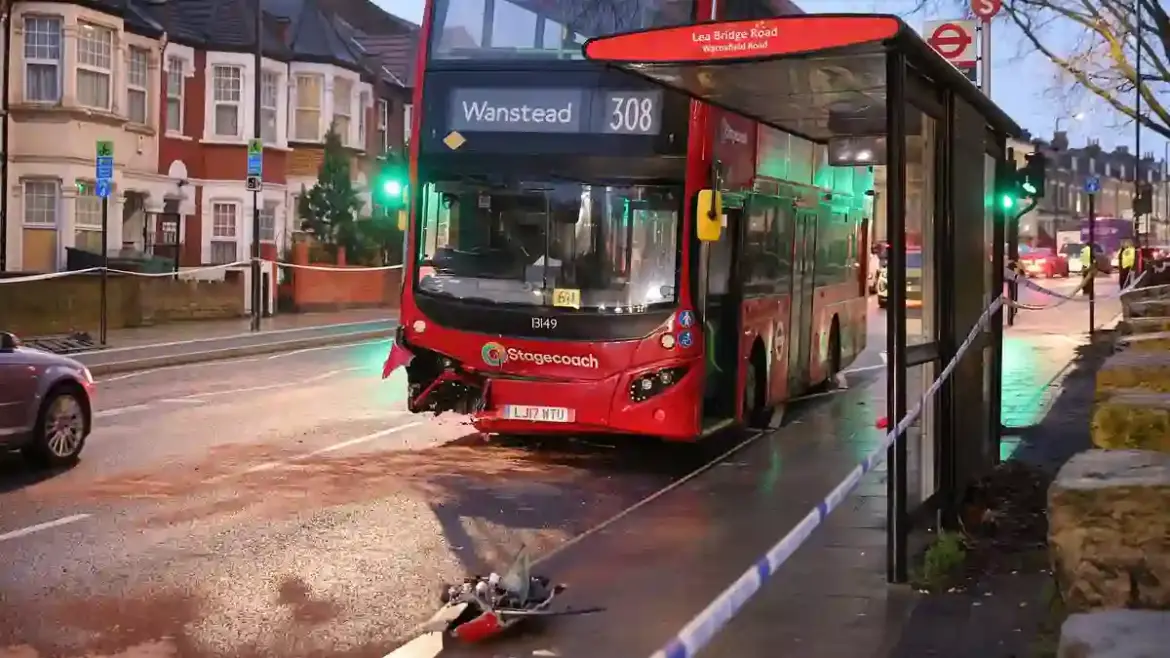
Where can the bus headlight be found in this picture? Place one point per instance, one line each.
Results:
(650, 384)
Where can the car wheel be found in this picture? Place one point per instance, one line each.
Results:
(60, 432)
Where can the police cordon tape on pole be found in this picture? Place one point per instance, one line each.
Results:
(197, 270)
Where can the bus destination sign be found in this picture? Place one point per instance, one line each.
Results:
(556, 110)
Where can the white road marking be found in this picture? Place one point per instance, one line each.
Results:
(267, 466)
(139, 373)
(198, 398)
(854, 371)
(23, 532)
(118, 411)
(327, 347)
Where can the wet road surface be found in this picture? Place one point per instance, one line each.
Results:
(283, 505)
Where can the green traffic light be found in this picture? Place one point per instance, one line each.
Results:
(392, 188)
(1029, 188)
(1008, 202)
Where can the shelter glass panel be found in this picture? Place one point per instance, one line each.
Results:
(920, 436)
(921, 270)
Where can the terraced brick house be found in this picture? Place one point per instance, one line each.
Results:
(171, 83)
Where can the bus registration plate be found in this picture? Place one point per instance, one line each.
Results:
(538, 414)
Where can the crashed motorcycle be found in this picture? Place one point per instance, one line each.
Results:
(483, 607)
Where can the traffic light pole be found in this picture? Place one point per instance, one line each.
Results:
(1091, 285)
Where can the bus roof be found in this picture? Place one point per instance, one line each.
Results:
(813, 75)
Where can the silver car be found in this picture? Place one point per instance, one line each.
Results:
(45, 404)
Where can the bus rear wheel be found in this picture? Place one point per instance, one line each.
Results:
(756, 412)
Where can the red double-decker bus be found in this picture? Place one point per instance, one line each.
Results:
(590, 253)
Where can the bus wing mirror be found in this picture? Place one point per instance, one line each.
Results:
(709, 216)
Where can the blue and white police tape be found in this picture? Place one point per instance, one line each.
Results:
(1066, 297)
(702, 629)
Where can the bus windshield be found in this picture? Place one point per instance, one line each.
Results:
(550, 244)
(546, 29)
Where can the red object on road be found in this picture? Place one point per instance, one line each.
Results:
(1044, 262)
(398, 357)
(882, 423)
(482, 627)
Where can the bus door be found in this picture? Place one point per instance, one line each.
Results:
(804, 253)
(721, 321)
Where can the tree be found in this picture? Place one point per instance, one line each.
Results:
(1094, 44)
(329, 210)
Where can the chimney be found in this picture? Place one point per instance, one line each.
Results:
(1121, 150)
(282, 24)
(1060, 140)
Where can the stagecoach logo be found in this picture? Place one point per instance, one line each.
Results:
(496, 355)
(731, 135)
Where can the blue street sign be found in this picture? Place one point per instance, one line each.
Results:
(105, 168)
(103, 188)
(255, 164)
(1092, 185)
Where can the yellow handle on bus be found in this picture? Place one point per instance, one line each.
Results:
(401, 220)
(709, 216)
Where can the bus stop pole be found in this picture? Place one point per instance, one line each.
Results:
(897, 555)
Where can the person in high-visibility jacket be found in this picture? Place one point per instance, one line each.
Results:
(1126, 259)
(1087, 268)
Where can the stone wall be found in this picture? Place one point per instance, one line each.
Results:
(73, 303)
(340, 287)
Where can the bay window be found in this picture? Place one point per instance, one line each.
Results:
(175, 94)
(87, 219)
(269, 100)
(363, 105)
(137, 83)
(42, 59)
(224, 232)
(342, 108)
(226, 88)
(307, 119)
(383, 143)
(95, 47)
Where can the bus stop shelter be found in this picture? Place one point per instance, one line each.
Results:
(869, 89)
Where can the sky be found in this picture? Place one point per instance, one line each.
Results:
(1023, 82)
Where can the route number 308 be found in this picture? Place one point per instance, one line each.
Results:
(631, 114)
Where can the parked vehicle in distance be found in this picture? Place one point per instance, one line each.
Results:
(45, 404)
(1072, 253)
(913, 281)
(1044, 262)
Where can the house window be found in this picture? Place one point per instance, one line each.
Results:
(87, 219)
(269, 100)
(268, 222)
(95, 46)
(226, 84)
(224, 227)
(40, 203)
(383, 122)
(363, 104)
(342, 108)
(175, 94)
(407, 122)
(42, 59)
(308, 112)
(137, 82)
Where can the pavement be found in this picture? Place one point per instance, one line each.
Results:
(286, 504)
(197, 342)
